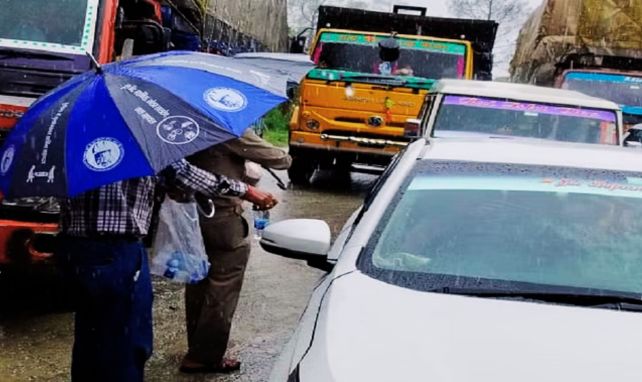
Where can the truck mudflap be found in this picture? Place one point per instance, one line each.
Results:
(26, 242)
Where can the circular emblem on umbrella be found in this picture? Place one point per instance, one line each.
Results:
(178, 130)
(225, 99)
(103, 154)
(7, 159)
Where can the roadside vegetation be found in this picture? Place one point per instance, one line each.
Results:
(275, 126)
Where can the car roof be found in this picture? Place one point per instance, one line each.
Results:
(521, 92)
(534, 152)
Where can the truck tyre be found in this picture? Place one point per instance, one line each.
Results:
(301, 170)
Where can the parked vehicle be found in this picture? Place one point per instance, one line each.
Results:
(43, 44)
(477, 259)
(573, 45)
(353, 107)
(456, 108)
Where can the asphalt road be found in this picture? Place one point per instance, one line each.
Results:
(36, 332)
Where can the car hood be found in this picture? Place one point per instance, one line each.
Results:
(372, 331)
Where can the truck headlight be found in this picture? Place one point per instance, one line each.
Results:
(312, 124)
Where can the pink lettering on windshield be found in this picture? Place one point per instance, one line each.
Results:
(490, 103)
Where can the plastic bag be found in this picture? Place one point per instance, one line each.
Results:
(178, 253)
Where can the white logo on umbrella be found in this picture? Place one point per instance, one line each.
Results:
(7, 159)
(178, 130)
(225, 99)
(103, 154)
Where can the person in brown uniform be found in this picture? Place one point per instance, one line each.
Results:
(210, 304)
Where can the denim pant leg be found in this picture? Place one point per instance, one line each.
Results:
(113, 326)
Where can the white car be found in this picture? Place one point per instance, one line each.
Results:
(460, 107)
(486, 260)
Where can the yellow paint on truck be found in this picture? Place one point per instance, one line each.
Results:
(351, 115)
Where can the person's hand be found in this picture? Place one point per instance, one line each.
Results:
(404, 72)
(263, 200)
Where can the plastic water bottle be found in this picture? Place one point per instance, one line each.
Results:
(173, 266)
(261, 220)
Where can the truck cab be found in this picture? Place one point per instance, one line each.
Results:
(621, 87)
(353, 106)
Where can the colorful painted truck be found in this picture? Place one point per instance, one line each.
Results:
(44, 43)
(353, 107)
(591, 46)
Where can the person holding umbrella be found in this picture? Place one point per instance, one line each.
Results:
(101, 143)
(106, 263)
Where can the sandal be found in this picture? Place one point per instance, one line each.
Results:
(228, 365)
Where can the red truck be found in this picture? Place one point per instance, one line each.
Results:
(47, 46)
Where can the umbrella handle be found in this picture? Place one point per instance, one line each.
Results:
(279, 182)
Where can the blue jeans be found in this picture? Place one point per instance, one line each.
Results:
(113, 298)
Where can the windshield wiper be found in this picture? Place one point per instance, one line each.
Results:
(10, 53)
(607, 301)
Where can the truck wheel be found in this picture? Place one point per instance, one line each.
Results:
(342, 170)
(301, 171)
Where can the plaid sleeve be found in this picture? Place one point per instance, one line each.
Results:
(185, 176)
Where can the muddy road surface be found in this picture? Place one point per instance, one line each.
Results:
(36, 329)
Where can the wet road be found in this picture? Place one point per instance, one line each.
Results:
(35, 345)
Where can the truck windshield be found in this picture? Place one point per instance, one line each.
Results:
(622, 89)
(419, 57)
(494, 116)
(61, 25)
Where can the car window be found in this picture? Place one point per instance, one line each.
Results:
(470, 223)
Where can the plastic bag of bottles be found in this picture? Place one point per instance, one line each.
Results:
(178, 253)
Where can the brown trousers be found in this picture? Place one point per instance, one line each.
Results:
(210, 304)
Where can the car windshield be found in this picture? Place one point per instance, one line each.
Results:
(60, 25)
(621, 89)
(496, 116)
(359, 53)
(484, 225)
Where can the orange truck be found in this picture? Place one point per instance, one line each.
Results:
(42, 44)
(353, 107)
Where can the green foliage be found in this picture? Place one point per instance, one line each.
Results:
(275, 126)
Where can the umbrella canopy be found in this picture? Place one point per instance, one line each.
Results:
(134, 118)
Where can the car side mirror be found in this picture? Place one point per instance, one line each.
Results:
(412, 128)
(633, 144)
(633, 137)
(301, 239)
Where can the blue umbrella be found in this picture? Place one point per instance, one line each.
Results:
(134, 118)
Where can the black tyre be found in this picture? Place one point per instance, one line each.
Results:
(301, 170)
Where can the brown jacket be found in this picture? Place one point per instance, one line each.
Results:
(229, 159)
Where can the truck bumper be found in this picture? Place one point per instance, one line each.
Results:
(26, 242)
(345, 144)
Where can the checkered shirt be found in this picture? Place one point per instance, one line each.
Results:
(125, 208)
